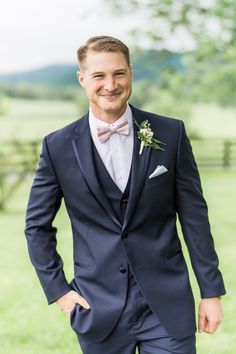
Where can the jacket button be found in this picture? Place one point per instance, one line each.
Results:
(122, 269)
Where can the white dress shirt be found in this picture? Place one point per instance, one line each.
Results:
(116, 152)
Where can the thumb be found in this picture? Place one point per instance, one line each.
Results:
(82, 301)
(201, 323)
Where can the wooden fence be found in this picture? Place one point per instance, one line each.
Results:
(19, 159)
(215, 152)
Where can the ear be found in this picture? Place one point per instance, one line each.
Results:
(80, 77)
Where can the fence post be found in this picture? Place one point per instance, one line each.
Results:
(227, 153)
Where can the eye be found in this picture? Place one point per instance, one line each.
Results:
(98, 76)
(120, 73)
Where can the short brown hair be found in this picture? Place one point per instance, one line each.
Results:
(102, 44)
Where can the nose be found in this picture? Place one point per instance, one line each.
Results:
(110, 84)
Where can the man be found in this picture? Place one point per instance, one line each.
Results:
(124, 175)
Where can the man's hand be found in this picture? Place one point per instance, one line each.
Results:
(68, 301)
(210, 315)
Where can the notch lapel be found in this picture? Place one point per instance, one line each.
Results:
(138, 169)
(82, 147)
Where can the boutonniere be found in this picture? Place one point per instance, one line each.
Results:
(146, 136)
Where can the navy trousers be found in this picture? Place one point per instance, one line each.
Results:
(138, 328)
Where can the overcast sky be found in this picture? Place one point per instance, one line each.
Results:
(37, 33)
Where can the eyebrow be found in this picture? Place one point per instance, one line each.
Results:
(102, 72)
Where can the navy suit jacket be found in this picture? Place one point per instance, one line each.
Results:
(147, 241)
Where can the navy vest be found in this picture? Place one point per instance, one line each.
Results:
(117, 199)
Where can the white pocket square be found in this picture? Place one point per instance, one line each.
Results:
(158, 171)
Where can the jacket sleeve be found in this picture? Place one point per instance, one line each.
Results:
(44, 202)
(193, 215)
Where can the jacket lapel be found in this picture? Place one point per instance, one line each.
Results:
(82, 147)
(138, 169)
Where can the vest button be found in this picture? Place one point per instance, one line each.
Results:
(124, 200)
(122, 269)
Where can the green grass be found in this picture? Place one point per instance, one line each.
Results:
(212, 121)
(27, 324)
(219, 190)
(29, 119)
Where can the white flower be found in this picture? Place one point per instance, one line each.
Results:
(146, 135)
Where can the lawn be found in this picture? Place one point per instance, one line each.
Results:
(27, 324)
(32, 119)
(29, 119)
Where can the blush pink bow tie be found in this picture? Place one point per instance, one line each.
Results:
(104, 133)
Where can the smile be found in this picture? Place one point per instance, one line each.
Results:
(111, 96)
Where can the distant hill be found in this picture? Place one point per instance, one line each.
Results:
(58, 74)
(147, 64)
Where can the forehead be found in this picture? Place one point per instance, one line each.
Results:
(104, 61)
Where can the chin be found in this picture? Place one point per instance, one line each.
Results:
(115, 105)
(114, 108)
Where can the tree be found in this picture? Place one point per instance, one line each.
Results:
(200, 20)
(205, 31)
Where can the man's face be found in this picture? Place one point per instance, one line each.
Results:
(106, 78)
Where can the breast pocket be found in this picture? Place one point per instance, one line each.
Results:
(158, 179)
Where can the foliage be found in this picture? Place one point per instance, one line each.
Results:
(213, 81)
(146, 136)
(148, 64)
(29, 91)
(168, 98)
(209, 26)
(81, 103)
(4, 105)
(201, 20)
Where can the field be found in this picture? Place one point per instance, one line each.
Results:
(27, 324)
(28, 119)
